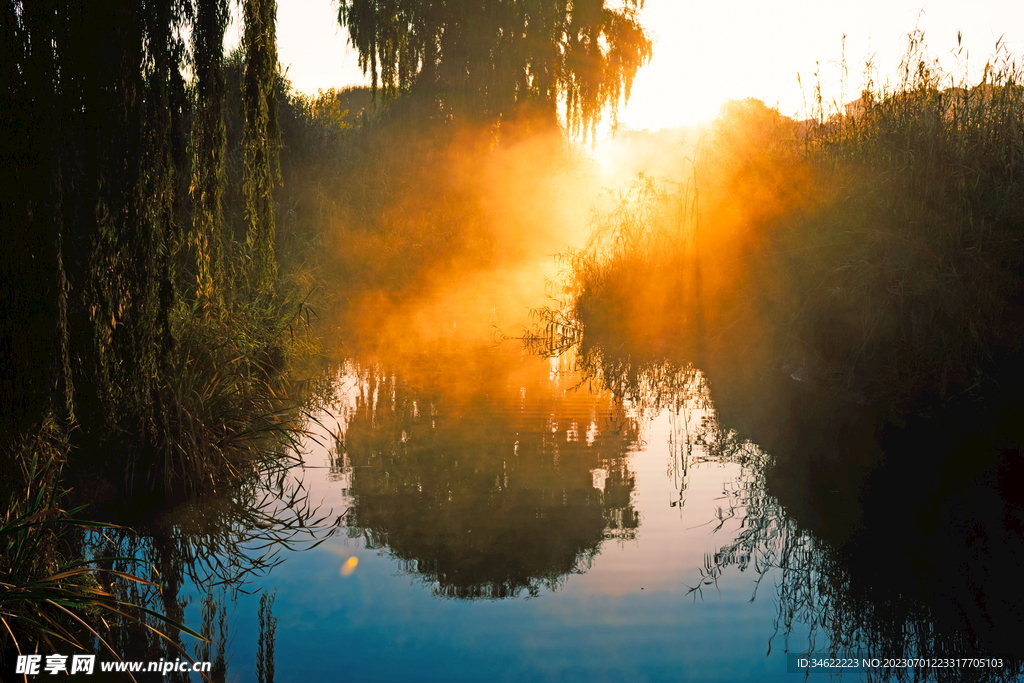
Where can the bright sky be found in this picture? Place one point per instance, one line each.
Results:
(709, 52)
(706, 52)
(310, 44)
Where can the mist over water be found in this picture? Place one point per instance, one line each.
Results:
(402, 383)
(517, 512)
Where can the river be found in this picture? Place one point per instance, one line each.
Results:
(490, 513)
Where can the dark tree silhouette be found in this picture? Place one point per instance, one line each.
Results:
(111, 177)
(489, 59)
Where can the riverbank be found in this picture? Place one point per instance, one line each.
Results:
(874, 252)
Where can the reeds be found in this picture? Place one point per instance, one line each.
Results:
(922, 225)
(47, 596)
(229, 411)
(876, 250)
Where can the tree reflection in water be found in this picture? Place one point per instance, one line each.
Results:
(488, 475)
(220, 545)
(856, 599)
(873, 540)
(923, 561)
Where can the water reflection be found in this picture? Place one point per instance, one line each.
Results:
(887, 592)
(675, 523)
(500, 483)
(871, 538)
(206, 552)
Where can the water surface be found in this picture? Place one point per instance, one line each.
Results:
(503, 515)
(508, 522)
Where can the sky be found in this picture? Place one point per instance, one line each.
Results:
(706, 53)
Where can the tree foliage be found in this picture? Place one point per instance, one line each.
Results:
(111, 180)
(491, 58)
(261, 138)
(208, 148)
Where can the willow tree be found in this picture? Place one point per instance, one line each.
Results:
(94, 107)
(491, 59)
(109, 163)
(261, 139)
(208, 148)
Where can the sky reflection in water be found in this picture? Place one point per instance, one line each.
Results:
(592, 522)
(509, 520)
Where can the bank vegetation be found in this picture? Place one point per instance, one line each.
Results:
(873, 252)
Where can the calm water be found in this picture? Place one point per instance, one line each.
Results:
(503, 517)
(508, 524)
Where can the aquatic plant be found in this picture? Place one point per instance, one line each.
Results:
(874, 250)
(267, 637)
(226, 408)
(46, 595)
(917, 272)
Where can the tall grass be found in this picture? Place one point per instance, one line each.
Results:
(228, 407)
(876, 250)
(47, 596)
(626, 284)
(924, 224)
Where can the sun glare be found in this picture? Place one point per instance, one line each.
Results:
(603, 153)
(707, 54)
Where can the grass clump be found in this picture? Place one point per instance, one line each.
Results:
(229, 409)
(876, 250)
(47, 596)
